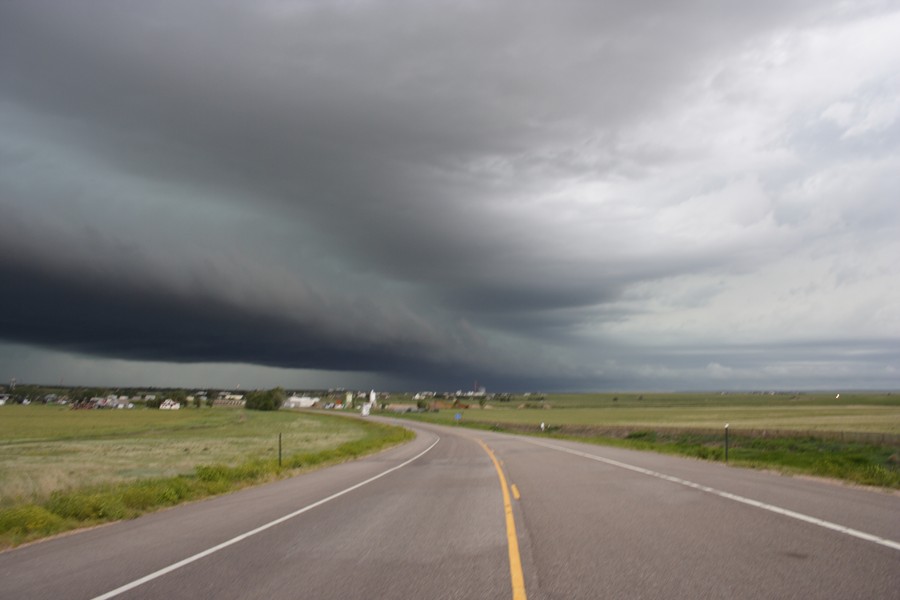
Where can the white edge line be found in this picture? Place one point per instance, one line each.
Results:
(775, 509)
(243, 536)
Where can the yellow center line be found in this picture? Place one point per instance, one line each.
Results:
(515, 562)
(515, 492)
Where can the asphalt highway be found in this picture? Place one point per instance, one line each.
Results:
(459, 513)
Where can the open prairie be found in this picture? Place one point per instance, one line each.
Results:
(48, 448)
(854, 436)
(852, 412)
(62, 469)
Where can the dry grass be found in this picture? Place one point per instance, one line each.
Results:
(63, 469)
(808, 413)
(46, 449)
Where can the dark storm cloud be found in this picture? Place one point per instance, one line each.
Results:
(429, 190)
(140, 324)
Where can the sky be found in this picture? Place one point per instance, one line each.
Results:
(554, 196)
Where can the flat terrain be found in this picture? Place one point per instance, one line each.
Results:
(429, 520)
(852, 412)
(853, 437)
(49, 448)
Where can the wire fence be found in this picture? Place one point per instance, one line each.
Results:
(635, 431)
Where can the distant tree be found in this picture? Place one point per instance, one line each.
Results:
(24, 392)
(179, 396)
(265, 399)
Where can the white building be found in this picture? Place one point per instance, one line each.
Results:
(300, 402)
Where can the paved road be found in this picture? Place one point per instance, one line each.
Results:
(430, 519)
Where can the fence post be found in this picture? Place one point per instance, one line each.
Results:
(726, 443)
(279, 450)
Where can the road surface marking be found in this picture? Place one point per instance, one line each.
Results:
(515, 562)
(515, 492)
(728, 495)
(244, 536)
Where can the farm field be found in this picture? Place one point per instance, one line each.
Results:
(859, 413)
(62, 469)
(48, 448)
(854, 437)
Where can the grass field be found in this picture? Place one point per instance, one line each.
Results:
(859, 413)
(855, 437)
(48, 448)
(61, 468)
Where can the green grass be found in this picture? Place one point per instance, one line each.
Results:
(62, 469)
(47, 448)
(855, 438)
(857, 413)
(876, 419)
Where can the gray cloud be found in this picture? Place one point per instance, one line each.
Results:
(532, 194)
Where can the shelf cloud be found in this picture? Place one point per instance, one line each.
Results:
(548, 195)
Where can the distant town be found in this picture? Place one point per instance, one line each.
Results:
(96, 398)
